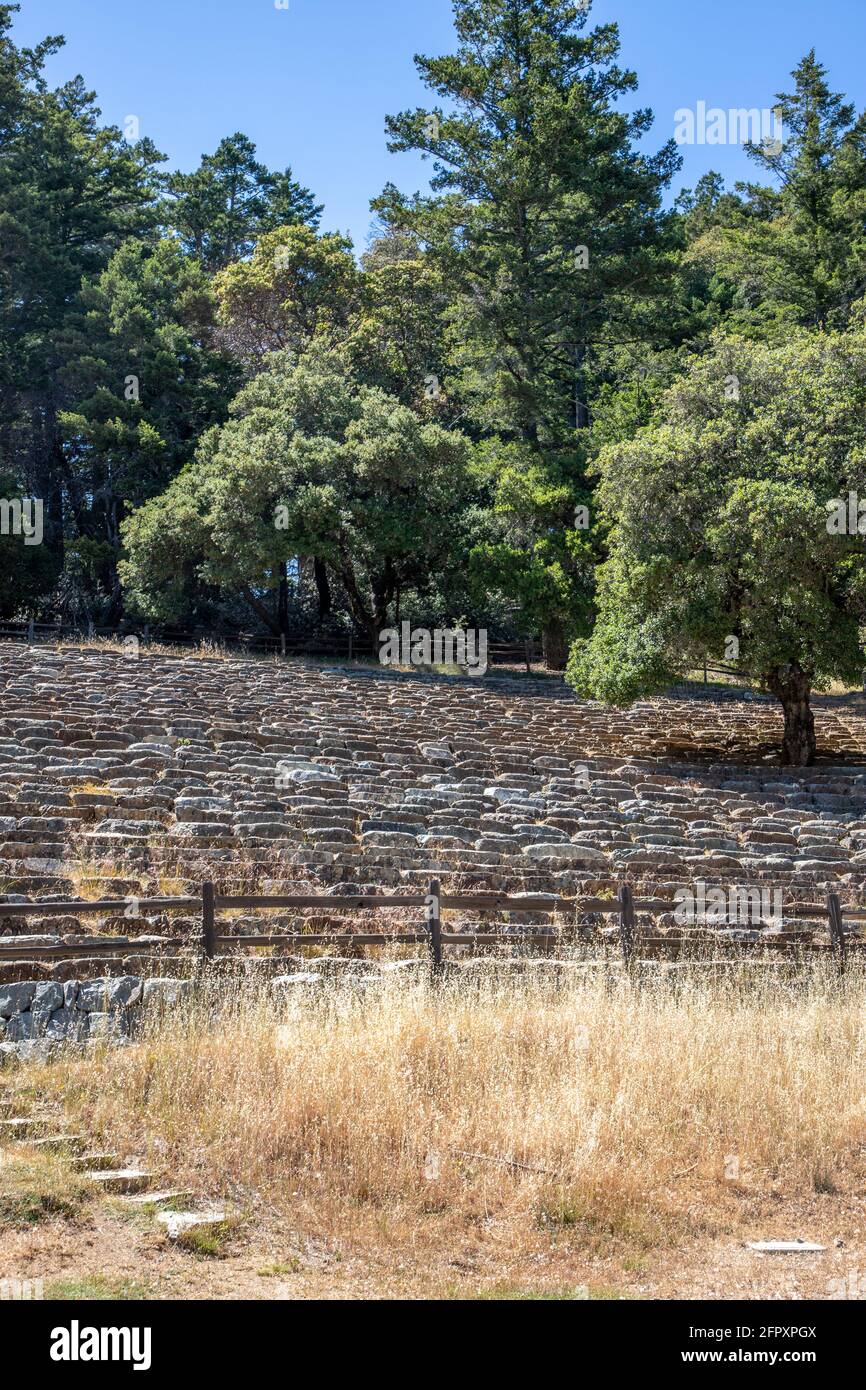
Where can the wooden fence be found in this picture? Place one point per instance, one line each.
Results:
(208, 945)
(341, 647)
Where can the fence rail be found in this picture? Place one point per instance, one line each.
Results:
(348, 646)
(634, 943)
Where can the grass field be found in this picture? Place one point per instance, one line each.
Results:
(498, 1138)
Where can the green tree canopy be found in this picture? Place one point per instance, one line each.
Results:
(311, 463)
(793, 251)
(296, 285)
(546, 221)
(721, 528)
(222, 208)
(144, 379)
(396, 335)
(71, 192)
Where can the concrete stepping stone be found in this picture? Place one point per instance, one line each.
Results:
(146, 1199)
(61, 1141)
(123, 1180)
(90, 1162)
(180, 1223)
(23, 1127)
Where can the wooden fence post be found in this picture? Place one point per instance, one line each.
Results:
(627, 931)
(837, 931)
(30, 632)
(208, 921)
(434, 926)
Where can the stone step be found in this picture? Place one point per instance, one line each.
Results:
(146, 1199)
(91, 1162)
(120, 1179)
(179, 1223)
(61, 1141)
(23, 1127)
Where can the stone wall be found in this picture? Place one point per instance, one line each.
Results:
(36, 1014)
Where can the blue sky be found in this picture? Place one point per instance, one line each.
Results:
(311, 85)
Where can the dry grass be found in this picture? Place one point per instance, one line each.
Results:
(214, 651)
(204, 650)
(593, 1112)
(37, 1186)
(88, 877)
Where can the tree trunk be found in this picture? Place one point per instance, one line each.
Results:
(323, 587)
(260, 610)
(555, 645)
(283, 600)
(113, 610)
(792, 687)
(581, 409)
(384, 586)
(357, 607)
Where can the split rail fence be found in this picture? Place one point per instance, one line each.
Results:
(207, 945)
(343, 647)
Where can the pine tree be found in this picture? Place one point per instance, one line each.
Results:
(144, 379)
(71, 191)
(221, 209)
(792, 251)
(546, 222)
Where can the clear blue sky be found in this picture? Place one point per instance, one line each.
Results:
(311, 85)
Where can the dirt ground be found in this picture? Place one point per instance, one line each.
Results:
(106, 1253)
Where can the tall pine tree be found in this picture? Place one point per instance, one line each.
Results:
(71, 191)
(221, 209)
(547, 225)
(793, 250)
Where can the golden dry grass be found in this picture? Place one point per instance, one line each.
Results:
(35, 1186)
(205, 649)
(616, 1116)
